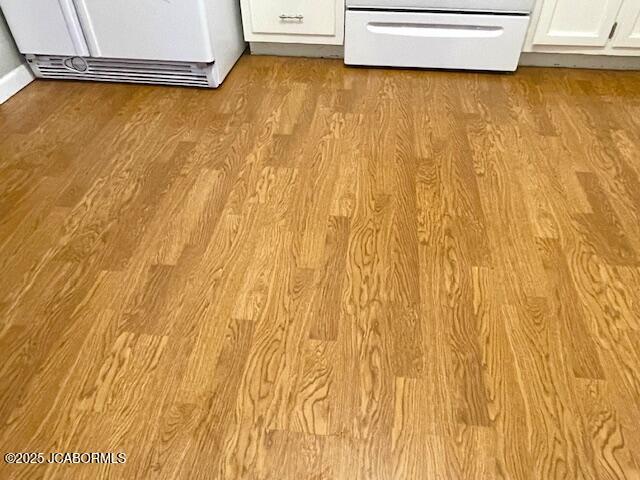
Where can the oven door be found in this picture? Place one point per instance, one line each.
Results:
(434, 40)
(516, 6)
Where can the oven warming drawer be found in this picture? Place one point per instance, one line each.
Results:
(434, 40)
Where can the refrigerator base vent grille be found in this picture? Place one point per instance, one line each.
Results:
(128, 71)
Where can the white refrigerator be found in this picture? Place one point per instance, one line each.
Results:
(175, 42)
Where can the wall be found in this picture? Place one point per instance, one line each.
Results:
(9, 57)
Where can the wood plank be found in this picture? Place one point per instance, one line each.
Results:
(324, 272)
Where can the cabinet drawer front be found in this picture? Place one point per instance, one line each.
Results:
(293, 17)
(434, 40)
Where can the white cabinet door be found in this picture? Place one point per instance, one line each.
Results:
(47, 27)
(294, 21)
(628, 32)
(576, 22)
(146, 29)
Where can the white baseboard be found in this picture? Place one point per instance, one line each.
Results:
(297, 50)
(569, 60)
(14, 81)
(527, 59)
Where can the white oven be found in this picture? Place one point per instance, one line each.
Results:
(452, 34)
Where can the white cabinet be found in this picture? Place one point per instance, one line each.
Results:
(594, 27)
(576, 22)
(294, 21)
(627, 33)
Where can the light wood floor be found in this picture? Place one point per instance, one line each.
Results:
(322, 272)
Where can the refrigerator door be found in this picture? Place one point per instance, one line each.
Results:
(46, 27)
(146, 29)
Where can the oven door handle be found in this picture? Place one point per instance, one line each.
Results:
(434, 30)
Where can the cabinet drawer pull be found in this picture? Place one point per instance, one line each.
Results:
(298, 17)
